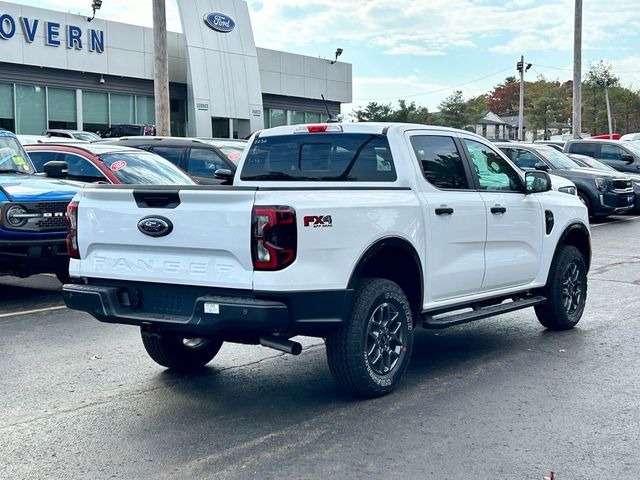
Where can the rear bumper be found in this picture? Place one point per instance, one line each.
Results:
(199, 311)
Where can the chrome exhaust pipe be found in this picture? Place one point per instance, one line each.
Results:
(282, 344)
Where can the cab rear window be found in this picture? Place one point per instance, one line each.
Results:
(348, 157)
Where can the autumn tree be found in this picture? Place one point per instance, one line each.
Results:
(504, 99)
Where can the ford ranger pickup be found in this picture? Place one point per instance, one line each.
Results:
(355, 233)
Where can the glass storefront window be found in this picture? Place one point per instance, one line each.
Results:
(314, 117)
(297, 118)
(95, 111)
(62, 108)
(30, 109)
(6, 107)
(145, 110)
(121, 109)
(265, 116)
(277, 117)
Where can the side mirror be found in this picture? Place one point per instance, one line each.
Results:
(543, 167)
(628, 158)
(55, 169)
(224, 174)
(537, 182)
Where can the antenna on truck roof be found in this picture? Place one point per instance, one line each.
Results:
(331, 118)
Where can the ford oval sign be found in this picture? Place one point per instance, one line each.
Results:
(219, 22)
(155, 226)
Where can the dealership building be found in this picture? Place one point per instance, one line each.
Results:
(60, 70)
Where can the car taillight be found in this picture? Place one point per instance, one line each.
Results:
(72, 236)
(274, 239)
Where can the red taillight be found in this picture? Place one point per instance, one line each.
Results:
(274, 240)
(317, 128)
(72, 236)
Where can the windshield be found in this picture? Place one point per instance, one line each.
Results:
(144, 168)
(86, 136)
(593, 163)
(557, 159)
(634, 147)
(232, 153)
(13, 159)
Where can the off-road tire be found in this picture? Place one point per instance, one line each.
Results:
(348, 347)
(169, 350)
(554, 314)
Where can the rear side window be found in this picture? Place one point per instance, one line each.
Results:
(441, 161)
(173, 154)
(351, 157)
(590, 149)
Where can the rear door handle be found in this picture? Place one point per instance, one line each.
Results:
(444, 211)
(497, 210)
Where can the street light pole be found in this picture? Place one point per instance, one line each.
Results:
(522, 68)
(605, 83)
(577, 71)
(161, 69)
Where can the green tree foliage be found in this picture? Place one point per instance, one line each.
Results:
(549, 106)
(385, 112)
(457, 112)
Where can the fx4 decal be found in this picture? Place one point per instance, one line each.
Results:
(318, 221)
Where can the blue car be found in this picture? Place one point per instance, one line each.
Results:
(33, 222)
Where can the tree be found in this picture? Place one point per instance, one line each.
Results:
(456, 112)
(504, 99)
(550, 105)
(405, 112)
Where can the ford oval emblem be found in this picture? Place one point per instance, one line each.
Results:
(219, 22)
(155, 226)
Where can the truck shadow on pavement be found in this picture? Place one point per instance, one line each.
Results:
(29, 293)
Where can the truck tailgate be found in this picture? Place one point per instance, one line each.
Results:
(208, 243)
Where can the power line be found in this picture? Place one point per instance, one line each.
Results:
(445, 89)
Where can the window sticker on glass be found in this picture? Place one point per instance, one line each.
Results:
(234, 155)
(118, 165)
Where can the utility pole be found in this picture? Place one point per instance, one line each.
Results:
(606, 83)
(161, 68)
(577, 70)
(522, 68)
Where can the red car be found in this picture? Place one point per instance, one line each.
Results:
(109, 164)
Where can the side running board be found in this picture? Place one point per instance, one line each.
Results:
(446, 320)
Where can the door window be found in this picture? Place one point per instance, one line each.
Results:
(39, 158)
(525, 159)
(586, 148)
(494, 172)
(611, 152)
(441, 162)
(204, 162)
(173, 154)
(82, 169)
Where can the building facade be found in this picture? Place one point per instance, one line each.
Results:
(58, 70)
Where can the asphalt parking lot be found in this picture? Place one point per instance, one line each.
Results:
(496, 399)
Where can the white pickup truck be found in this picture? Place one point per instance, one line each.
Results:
(356, 233)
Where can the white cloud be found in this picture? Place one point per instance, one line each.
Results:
(407, 49)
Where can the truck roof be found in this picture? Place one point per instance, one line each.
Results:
(378, 128)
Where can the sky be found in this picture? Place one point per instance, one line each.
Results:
(423, 50)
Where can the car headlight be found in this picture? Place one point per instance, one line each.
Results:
(16, 216)
(571, 190)
(601, 183)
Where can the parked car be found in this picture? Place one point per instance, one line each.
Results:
(197, 157)
(357, 233)
(630, 137)
(590, 162)
(33, 223)
(124, 130)
(623, 156)
(557, 145)
(38, 139)
(232, 148)
(603, 193)
(74, 134)
(109, 164)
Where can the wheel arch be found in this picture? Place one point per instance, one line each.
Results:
(395, 259)
(577, 235)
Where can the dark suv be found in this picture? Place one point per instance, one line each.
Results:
(603, 193)
(623, 156)
(197, 157)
